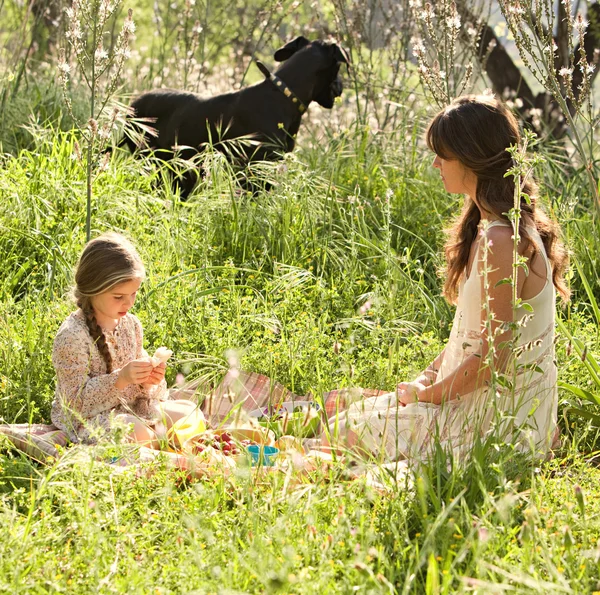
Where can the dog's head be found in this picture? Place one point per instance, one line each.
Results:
(320, 58)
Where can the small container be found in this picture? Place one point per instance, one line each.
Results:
(186, 427)
(263, 455)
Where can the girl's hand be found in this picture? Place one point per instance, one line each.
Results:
(137, 371)
(156, 376)
(409, 392)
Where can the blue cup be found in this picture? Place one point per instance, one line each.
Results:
(263, 455)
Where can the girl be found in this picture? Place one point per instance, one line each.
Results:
(103, 372)
(450, 402)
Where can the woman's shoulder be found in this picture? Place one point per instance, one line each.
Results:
(500, 241)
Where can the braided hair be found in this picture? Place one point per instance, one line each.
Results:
(106, 261)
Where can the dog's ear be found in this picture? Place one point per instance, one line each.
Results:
(340, 54)
(289, 49)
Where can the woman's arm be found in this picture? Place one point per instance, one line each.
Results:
(497, 309)
(428, 376)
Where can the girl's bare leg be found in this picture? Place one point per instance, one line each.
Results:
(141, 433)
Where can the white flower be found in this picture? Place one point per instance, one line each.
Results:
(101, 54)
(64, 68)
(418, 47)
(582, 24)
(128, 26)
(428, 13)
(453, 22)
(565, 71)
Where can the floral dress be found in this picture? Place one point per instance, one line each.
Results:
(86, 398)
(525, 415)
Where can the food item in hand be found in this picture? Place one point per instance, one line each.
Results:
(161, 355)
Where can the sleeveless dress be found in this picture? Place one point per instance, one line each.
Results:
(524, 415)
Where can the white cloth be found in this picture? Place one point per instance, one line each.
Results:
(526, 415)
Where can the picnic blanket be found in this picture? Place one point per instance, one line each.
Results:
(237, 393)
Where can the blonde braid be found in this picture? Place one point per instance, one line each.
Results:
(96, 332)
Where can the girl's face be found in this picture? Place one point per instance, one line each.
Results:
(110, 306)
(457, 178)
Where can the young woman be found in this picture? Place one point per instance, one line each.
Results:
(450, 402)
(103, 372)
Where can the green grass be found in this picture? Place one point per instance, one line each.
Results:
(279, 278)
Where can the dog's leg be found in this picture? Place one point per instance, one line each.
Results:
(185, 180)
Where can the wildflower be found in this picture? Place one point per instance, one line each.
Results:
(566, 72)
(582, 24)
(588, 68)
(453, 22)
(427, 14)
(100, 54)
(64, 68)
(76, 151)
(516, 10)
(418, 48)
(129, 25)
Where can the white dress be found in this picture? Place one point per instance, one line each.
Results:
(525, 416)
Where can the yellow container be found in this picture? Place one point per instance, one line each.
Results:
(186, 427)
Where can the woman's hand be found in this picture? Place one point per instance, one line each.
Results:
(156, 376)
(137, 371)
(410, 392)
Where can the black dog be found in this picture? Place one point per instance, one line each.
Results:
(268, 113)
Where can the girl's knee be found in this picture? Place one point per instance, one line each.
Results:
(140, 432)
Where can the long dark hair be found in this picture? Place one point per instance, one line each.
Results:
(478, 130)
(106, 261)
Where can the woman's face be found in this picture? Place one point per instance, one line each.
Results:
(457, 178)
